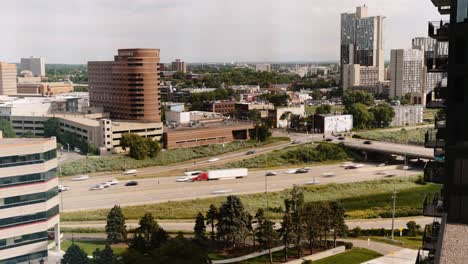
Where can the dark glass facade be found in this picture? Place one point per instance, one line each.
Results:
(19, 160)
(28, 178)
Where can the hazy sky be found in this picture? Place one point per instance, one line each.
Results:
(75, 31)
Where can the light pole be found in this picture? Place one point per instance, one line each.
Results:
(394, 195)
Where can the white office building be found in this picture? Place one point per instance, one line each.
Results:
(407, 72)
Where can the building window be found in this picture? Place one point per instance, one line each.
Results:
(462, 11)
(28, 178)
(31, 218)
(18, 160)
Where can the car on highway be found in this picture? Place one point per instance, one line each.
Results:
(367, 142)
(62, 188)
(291, 171)
(130, 172)
(221, 191)
(303, 170)
(97, 187)
(271, 173)
(328, 174)
(312, 182)
(105, 184)
(192, 173)
(112, 182)
(390, 174)
(346, 164)
(341, 138)
(131, 183)
(213, 159)
(382, 165)
(185, 178)
(354, 166)
(250, 152)
(80, 178)
(295, 141)
(328, 139)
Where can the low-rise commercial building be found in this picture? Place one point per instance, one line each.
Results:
(223, 107)
(44, 89)
(7, 78)
(278, 115)
(29, 199)
(242, 110)
(407, 115)
(329, 124)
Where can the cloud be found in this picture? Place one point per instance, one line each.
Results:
(73, 31)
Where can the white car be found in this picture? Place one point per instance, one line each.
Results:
(192, 173)
(112, 182)
(97, 187)
(213, 159)
(62, 188)
(105, 184)
(80, 178)
(328, 174)
(292, 171)
(346, 164)
(185, 178)
(221, 191)
(382, 165)
(130, 172)
(312, 182)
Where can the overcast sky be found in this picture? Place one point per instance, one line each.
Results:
(75, 31)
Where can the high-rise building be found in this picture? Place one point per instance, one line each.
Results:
(435, 52)
(29, 199)
(7, 79)
(127, 87)
(407, 72)
(35, 65)
(179, 66)
(362, 40)
(263, 67)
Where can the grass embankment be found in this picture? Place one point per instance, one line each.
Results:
(121, 162)
(310, 109)
(353, 256)
(297, 155)
(90, 246)
(369, 199)
(405, 241)
(410, 136)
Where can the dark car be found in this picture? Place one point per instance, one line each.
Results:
(328, 139)
(250, 152)
(131, 183)
(367, 142)
(341, 138)
(302, 171)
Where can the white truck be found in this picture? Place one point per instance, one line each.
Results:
(221, 174)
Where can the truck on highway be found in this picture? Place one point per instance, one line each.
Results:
(221, 174)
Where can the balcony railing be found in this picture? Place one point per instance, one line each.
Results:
(434, 139)
(443, 6)
(434, 171)
(439, 30)
(440, 123)
(430, 237)
(433, 206)
(436, 104)
(424, 257)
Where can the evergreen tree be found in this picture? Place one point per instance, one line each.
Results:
(75, 255)
(138, 243)
(260, 216)
(6, 128)
(233, 221)
(52, 127)
(286, 231)
(296, 202)
(310, 214)
(211, 218)
(115, 228)
(269, 235)
(200, 228)
(105, 256)
(158, 238)
(180, 251)
(337, 220)
(147, 226)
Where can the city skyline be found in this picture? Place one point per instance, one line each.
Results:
(80, 31)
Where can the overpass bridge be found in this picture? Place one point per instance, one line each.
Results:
(410, 151)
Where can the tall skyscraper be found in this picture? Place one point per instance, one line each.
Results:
(7, 79)
(407, 72)
(29, 199)
(127, 87)
(179, 66)
(35, 65)
(362, 40)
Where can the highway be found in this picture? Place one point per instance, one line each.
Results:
(162, 189)
(390, 148)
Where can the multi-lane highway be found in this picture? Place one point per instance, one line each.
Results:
(154, 190)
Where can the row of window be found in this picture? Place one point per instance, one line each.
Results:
(28, 219)
(25, 258)
(18, 160)
(28, 178)
(26, 199)
(23, 240)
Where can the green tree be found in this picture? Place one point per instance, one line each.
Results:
(337, 220)
(261, 132)
(27, 134)
(258, 235)
(153, 147)
(255, 115)
(413, 228)
(351, 97)
(6, 128)
(158, 238)
(406, 99)
(278, 99)
(147, 226)
(383, 115)
(233, 221)
(52, 127)
(311, 214)
(211, 218)
(295, 201)
(138, 145)
(115, 228)
(200, 228)
(362, 119)
(316, 95)
(105, 256)
(286, 231)
(75, 255)
(323, 109)
(269, 235)
(180, 251)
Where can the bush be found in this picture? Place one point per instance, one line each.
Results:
(308, 261)
(355, 232)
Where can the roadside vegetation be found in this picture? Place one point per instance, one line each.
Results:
(354, 256)
(303, 154)
(368, 199)
(403, 136)
(121, 162)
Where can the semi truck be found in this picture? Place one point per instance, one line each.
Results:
(219, 174)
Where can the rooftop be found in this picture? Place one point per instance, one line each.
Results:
(8, 142)
(226, 124)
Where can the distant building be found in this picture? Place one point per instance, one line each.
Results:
(355, 75)
(29, 199)
(327, 124)
(127, 87)
(407, 115)
(179, 66)
(263, 67)
(435, 52)
(362, 41)
(26, 76)
(278, 113)
(44, 89)
(407, 72)
(7, 79)
(225, 107)
(35, 65)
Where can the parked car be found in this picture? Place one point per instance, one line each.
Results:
(271, 173)
(131, 183)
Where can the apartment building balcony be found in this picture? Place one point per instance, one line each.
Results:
(434, 171)
(424, 257)
(431, 236)
(443, 6)
(439, 30)
(434, 139)
(440, 122)
(433, 206)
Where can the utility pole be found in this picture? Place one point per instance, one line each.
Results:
(394, 195)
(266, 191)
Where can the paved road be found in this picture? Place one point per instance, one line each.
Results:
(379, 247)
(155, 190)
(390, 148)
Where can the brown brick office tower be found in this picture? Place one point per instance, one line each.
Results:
(127, 87)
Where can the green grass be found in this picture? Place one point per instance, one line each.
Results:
(295, 155)
(121, 162)
(368, 199)
(405, 241)
(90, 246)
(310, 110)
(429, 114)
(410, 136)
(353, 256)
